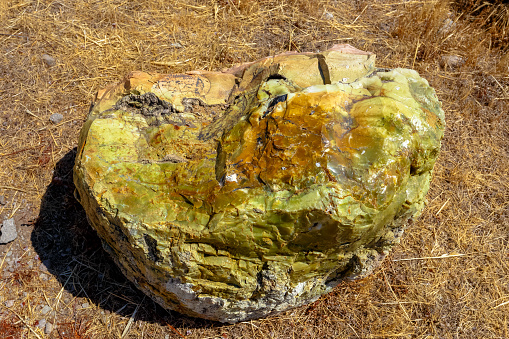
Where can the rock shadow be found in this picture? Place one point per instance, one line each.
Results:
(71, 251)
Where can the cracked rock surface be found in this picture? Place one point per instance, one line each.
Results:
(238, 194)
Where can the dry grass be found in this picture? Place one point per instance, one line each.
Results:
(447, 279)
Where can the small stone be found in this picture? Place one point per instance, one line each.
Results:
(9, 303)
(45, 309)
(451, 61)
(176, 45)
(8, 254)
(49, 60)
(85, 305)
(9, 232)
(328, 16)
(448, 26)
(3, 201)
(43, 276)
(104, 318)
(42, 324)
(56, 118)
(49, 328)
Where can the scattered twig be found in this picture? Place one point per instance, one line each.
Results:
(233, 5)
(396, 297)
(501, 87)
(23, 4)
(59, 295)
(358, 16)
(14, 210)
(5, 255)
(32, 114)
(443, 256)
(441, 208)
(175, 330)
(60, 124)
(416, 50)
(170, 63)
(353, 329)
(131, 320)
(21, 150)
(14, 189)
(502, 304)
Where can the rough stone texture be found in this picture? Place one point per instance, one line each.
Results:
(451, 61)
(49, 60)
(8, 231)
(238, 194)
(56, 118)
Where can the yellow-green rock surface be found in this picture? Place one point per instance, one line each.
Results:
(238, 194)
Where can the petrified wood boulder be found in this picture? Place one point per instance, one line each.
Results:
(238, 194)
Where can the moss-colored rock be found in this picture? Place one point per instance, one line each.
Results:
(237, 194)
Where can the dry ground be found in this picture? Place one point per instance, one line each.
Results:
(447, 279)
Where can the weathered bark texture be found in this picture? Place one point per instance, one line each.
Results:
(238, 194)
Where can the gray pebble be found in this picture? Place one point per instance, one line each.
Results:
(9, 303)
(43, 276)
(56, 118)
(8, 254)
(45, 309)
(49, 328)
(176, 45)
(448, 26)
(49, 60)
(42, 324)
(328, 16)
(451, 61)
(85, 305)
(3, 201)
(9, 232)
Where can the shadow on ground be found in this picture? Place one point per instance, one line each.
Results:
(72, 252)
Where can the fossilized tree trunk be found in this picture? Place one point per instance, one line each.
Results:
(238, 194)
